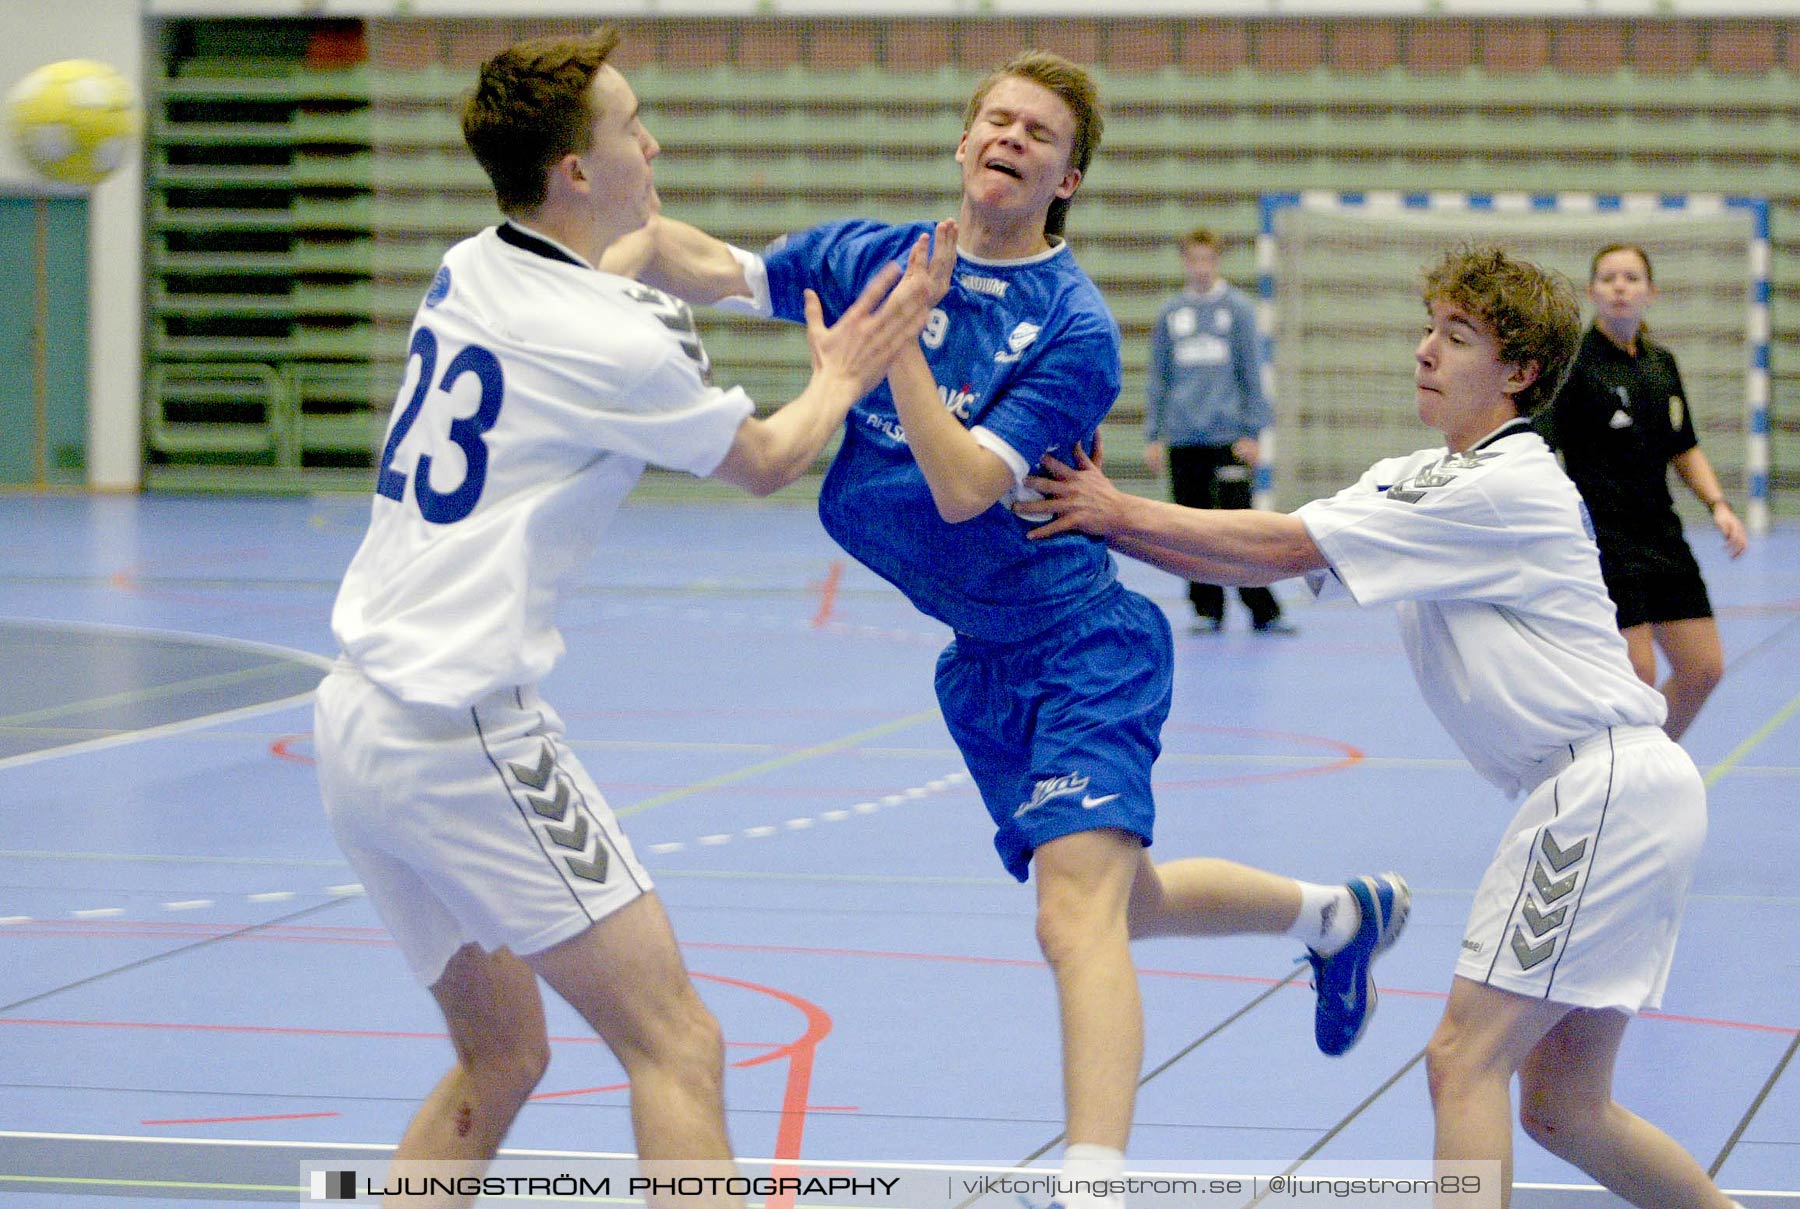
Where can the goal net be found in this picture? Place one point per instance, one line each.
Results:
(1340, 305)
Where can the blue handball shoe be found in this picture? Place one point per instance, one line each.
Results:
(1345, 980)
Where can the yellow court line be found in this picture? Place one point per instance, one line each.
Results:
(731, 778)
(1755, 740)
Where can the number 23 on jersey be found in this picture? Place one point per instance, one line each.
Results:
(466, 432)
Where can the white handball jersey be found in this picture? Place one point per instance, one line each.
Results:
(536, 390)
(1491, 558)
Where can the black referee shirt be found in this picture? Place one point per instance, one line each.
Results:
(1618, 422)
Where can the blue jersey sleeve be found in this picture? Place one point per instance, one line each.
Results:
(834, 260)
(1061, 392)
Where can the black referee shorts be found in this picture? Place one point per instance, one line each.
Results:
(1653, 596)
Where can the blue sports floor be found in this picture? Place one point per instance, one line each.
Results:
(193, 995)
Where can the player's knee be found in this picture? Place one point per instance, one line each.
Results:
(687, 1039)
(1545, 1125)
(1448, 1065)
(1068, 928)
(1552, 1121)
(513, 1068)
(503, 1069)
(1704, 673)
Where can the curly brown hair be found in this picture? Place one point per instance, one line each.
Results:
(1535, 313)
(529, 108)
(1076, 89)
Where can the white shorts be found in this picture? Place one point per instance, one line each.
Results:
(1584, 898)
(475, 824)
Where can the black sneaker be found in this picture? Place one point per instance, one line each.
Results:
(1276, 625)
(1206, 625)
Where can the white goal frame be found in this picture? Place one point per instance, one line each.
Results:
(1756, 318)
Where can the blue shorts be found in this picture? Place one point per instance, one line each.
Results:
(1060, 731)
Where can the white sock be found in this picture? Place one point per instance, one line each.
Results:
(1328, 917)
(1092, 1165)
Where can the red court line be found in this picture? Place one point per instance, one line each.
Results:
(1151, 972)
(378, 936)
(283, 748)
(800, 1053)
(276, 1116)
(1348, 756)
(773, 1048)
(828, 591)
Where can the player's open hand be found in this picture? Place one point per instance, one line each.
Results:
(1079, 498)
(936, 272)
(888, 315)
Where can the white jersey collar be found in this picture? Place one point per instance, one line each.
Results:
(1057, 246)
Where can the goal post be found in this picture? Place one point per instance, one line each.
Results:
(1339, 311)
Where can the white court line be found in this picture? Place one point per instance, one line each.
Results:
(156, 732)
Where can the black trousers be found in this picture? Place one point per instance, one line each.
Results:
(1210, 476)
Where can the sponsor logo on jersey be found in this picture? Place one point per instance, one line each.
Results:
(1620, 419)
(1222, 321)
(959, 402)
(1018, 342)
(678, 317)
(991, 286)
(1441, 474)
(440, 286)
(1202, 348)
(1066, 786)
(1473, 946)
(886, 426)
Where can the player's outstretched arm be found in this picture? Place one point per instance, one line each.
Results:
(680, 259)
(849, 358)
(1233, 547)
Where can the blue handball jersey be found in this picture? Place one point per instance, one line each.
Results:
(1024, 349)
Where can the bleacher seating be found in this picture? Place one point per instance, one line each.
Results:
(295, 213)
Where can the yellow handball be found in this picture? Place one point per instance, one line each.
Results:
(74, 121)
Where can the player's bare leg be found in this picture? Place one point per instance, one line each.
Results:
(1566, 1106)
(626, 978)
(1083, 883)
(1483, 1038)
(1205, 896)
(1696, 665)
(496, 1020)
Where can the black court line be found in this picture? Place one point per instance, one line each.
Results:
(141, 962)
(1755, 1105)
(1183, 1052)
